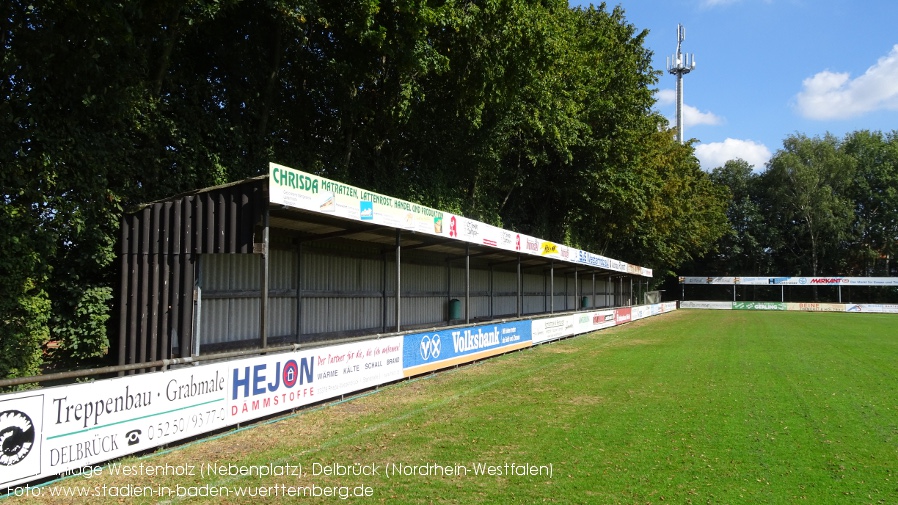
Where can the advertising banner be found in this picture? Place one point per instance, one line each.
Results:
(68, 427)
(269, 384)
(592, 321)
(668, 307)
(706, 305)
(817, 307)
(60, 429)
(623, 316)
(640, 312)
(794, 281)
(880, 308)
(425, 352)
(301, 190)
(759, 306)
(552, 328)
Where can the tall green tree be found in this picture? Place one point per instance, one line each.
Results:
(874, 192)
(808, 182)
(743, 249)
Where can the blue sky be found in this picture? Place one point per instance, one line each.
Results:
(767, 69)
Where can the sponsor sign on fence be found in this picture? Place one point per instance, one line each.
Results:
(817, 307)
(425, 352)
(270, 384)
(807, 307)
(706, 305)
(759, 306)
(880, 308)
(551, 328)
(623, 316)
(65, 428)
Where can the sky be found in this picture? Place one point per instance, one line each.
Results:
(768, 69)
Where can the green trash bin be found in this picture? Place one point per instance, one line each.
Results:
(584, 302)
(454, 309)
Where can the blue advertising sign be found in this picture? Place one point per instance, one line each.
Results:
(424, 352)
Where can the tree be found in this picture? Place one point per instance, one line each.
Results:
(808, 183)
(743, 249)
(874, 192)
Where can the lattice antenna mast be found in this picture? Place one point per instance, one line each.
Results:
(679, 65)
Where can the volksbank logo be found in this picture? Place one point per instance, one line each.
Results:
(430, 346)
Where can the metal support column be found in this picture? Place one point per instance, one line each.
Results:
(448, 292)
(298, 327)
(263, 305)
(520, 300)
(383, 297)
(577, 304)
(593, 291)
(467, 283)
(398, 279)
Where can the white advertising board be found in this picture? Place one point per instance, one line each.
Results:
(706, 305)
(640, 312)
(817, 307)
(59, 429)
(551, 328)
(880, 308)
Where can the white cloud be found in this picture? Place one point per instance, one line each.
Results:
(666, 96)
(693, 116)
(831, 95)
(716, 154)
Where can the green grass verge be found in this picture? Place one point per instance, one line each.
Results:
(724, 407)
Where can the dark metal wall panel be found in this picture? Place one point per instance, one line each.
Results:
(159, 247)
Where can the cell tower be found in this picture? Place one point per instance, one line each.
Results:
(679, 65)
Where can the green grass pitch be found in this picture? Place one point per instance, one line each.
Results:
(728, 407)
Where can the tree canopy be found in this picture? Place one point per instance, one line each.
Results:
(822, 206)
(530, 115)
